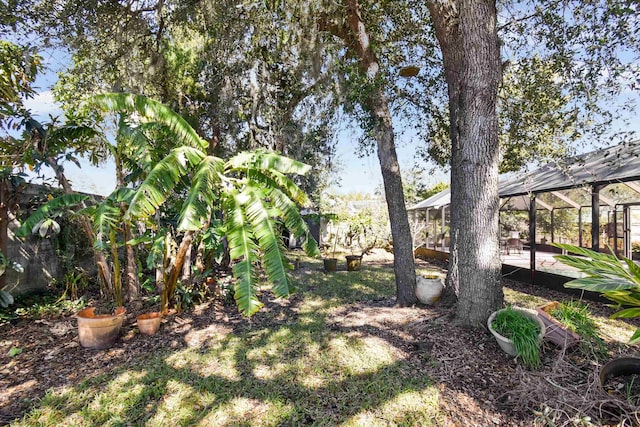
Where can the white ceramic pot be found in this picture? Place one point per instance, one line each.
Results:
(505, 343)
(428, 291)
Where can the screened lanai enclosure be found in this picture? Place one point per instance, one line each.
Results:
(592, 200)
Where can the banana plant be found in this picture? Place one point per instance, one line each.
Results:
(618, 279)
(105, 219)
(253, 189)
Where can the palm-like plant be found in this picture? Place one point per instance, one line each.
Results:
(252, 188)
(617, 279)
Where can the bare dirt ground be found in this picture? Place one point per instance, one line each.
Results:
(478, 383)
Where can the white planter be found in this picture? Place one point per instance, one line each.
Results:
(428, 291)
(514, 234)
(506, 344)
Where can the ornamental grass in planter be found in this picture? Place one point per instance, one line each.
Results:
(574, 317)
(557, 333)
(519, 333)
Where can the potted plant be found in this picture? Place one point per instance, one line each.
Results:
(570, 323)
(556, 333)
(354, 262)
(519, 332)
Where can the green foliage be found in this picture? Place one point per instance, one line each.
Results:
(48, 211)
(153, 111)
(576, 316)
(48, 306)
(251, 187)
(38, 305)
(416, 187)
(14, 351)
(523, 332)
(19, 66)
(188, 295)
(617, 279)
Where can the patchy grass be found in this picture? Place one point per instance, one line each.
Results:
(294, 371)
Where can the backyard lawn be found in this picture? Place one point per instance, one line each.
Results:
(335, 353)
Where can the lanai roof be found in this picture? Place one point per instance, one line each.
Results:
(440, 199)
(620, 163)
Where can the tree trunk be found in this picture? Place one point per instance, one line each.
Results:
(466, 31)
(170, 284)
(378, 106)
(186, 266)
(132, 283)
(5, 194)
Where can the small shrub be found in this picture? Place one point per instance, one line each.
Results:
(37, 307)
(523, 332)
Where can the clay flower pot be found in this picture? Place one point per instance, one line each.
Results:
(99, 331)
(149, 323)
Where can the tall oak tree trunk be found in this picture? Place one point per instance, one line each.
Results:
(377, 105)
(5, 195)
(466, 31)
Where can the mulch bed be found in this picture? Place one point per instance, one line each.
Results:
(478, 383)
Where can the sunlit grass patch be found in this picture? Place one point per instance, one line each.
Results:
(522, 299)
(360, 355)
(276, 371)
(217, 360)
(412, 408)
(180, 404)
(247, 412)
(346, 287)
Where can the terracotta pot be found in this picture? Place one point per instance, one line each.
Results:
(505, 343)
(428, 289)
(556, 333)
(149, 323)
(99, 331)
(354, 262)
(330, 264)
